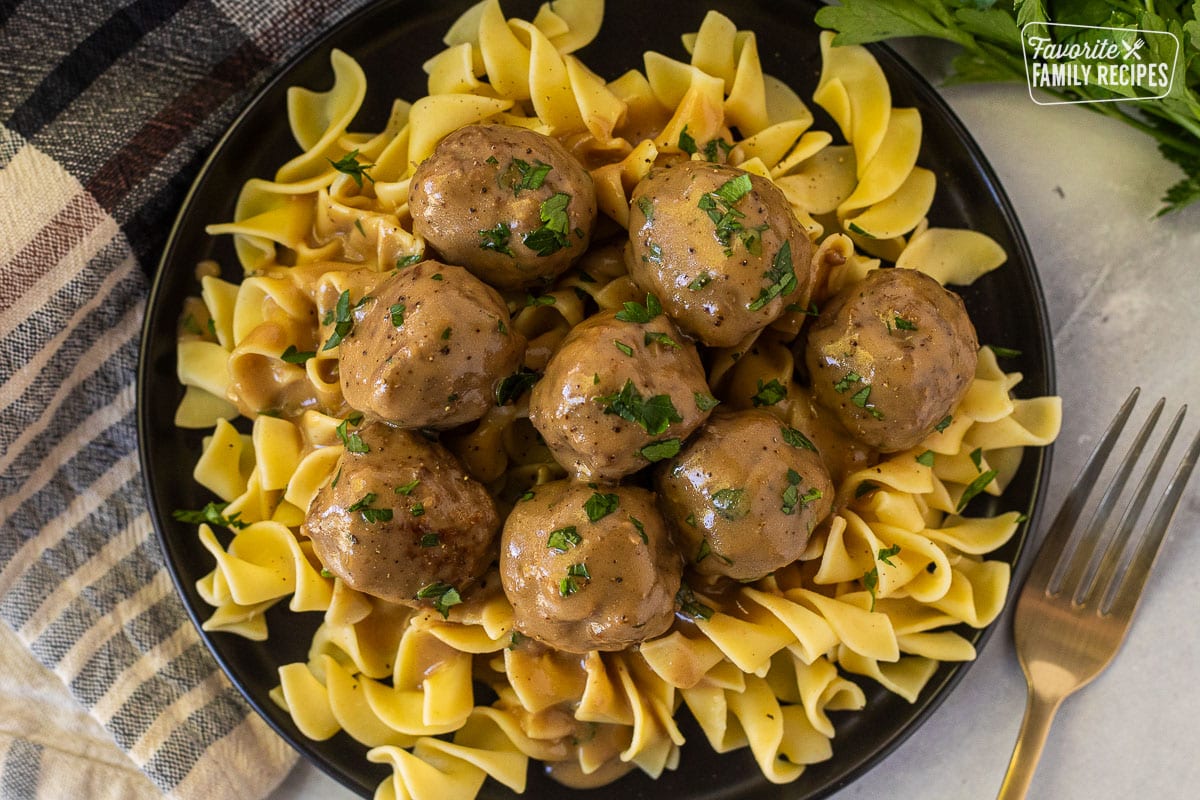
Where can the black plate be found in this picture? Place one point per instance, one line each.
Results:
(391, 39)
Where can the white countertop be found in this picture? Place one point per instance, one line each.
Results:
(1123, 290)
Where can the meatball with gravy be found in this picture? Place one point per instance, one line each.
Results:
(620, 394)
(509, 204)
(589, 567)
(401, 520)
(429, 348)
(720, 247)
(744, 495)
(892, 356)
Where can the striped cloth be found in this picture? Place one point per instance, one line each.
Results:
(107, 111)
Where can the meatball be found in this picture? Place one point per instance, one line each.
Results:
(589, 567)
(429, 348)
(892, 356)
(721, 247)
(619, 394)
(745, 495)
(401, 520)
(509, 204)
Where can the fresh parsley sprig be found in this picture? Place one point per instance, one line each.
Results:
(989, 35)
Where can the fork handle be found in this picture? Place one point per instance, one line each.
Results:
(1039, 713)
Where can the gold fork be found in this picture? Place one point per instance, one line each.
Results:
(1076, 605)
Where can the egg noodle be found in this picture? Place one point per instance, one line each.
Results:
(881, 583)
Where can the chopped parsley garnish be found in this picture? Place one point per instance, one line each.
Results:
(870, 580)
(600, 505)
(295, 356)
(865, 488)
(792, 497)
(973, 488)
(705, 402)
(563, 539)
(447, 333)
(647, 207)
(397, 312)
(359, 227)
(523, 175)
(701, 280)
(769, 393)
(860, 231)
(862, 399)
(212, 514)
(1004, 352)
(686, 142)
(976, 457)
(352, 441)
(407, 488)
(431, 540)
(652, 337)
(781, 278)
(926, 458)
(341, 319)
(417, 509)
(528, 495)
(654, 414)
(797, 439)
(512, 387)
(409, 260)
(945, 423)
(443, 596)
(719, 206)
(689, 605)
(552, 236)
(636, 312)
(570, 584)
(847, 382)
(363, 506)
(705, 550)
(624, 348)
(664, 448)
(710, 149)
(496, 239)
(903, 324)
(349, 165)
(191, 326)
(731, 503)
(641, 529)
(885, 554)
(539, 300)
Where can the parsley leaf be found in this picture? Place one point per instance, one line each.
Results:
(496, 239)
(731, 503)
(212, 514)
(770, 393)
(635, 312)
(552, 236)
(781, 275)
(294, 356)
(973, 488)
(563, 539)
(523, 175)
(342, 321)
(352, 441)
(654, 414)
(600, 505)
(686, 143)
(705, 402)
(662, 449)
(570, 584)
(349, 165)
(512, 387)
(443, 595)
(797, 439)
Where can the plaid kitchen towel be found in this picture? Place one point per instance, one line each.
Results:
(107, 111)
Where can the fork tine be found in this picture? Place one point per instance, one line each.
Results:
(1107, 566)
(1084, 561)
(1127, 591)
(1059, 532)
